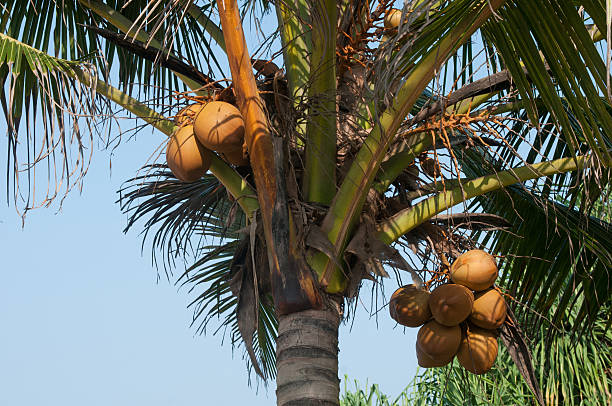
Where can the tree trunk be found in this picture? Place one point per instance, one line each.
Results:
(307, 358)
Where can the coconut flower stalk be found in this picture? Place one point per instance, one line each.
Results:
(293, 286)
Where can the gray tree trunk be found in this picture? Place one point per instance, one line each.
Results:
(307, 358)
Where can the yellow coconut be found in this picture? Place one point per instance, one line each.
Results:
(450, 304)
(219, 126)
(440, 343)
(478, 350)
(475, 269)
(188, 114)
(235, 157)
(186, 158)
(489, 310)
(409, 306)
(393, 18)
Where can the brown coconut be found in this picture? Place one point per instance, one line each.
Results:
(489, 310)
(188, 114)
(186, 157)
(478, 350)
(219, 126)
(426, 361)
(236, 157)
(475, 269)
(409, 306)
(440, 343)
(450, 304)
(393, 18)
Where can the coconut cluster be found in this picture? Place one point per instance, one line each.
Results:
(456, 319)
(204, 127)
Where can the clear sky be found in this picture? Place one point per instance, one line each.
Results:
(83, 320)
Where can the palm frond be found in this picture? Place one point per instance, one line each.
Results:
(198, 221)
(553, 252)
(35, 22)
(546, 46)
(175, 211)
(42, 94)
(210, 279)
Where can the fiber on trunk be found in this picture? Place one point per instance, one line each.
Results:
(307, 358)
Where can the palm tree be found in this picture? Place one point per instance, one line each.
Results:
(504, 105)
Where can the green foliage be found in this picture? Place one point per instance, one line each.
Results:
(370, 396)
(572, 371)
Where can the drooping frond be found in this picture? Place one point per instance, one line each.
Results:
(50, 120)
(174, 211)
(197, 222)
(217, 305)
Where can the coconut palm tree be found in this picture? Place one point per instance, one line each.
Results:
(503, 104)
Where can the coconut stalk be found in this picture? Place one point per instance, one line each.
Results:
(296, 42)
(348, 203)
(391, 168)
(293, 286)
(319, 182)
(408, 219)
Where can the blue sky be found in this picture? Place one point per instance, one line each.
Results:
(84, 320)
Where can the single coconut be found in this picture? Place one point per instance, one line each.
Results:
(478, 350)
(475, 269)
(489, 310)
(393, 18)
(186, 157)
(219, 126)
(426, 361)
(236, 157)
(409, 306)
(188, 114)
(450, 304)
(440, 343)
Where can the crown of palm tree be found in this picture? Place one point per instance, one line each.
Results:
(504, 106)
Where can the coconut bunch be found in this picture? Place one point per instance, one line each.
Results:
(456, 319)
(202, 128)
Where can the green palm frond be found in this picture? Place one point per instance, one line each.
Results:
(36, 22)
(42, 94)
(546, 46)
(554, 253)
